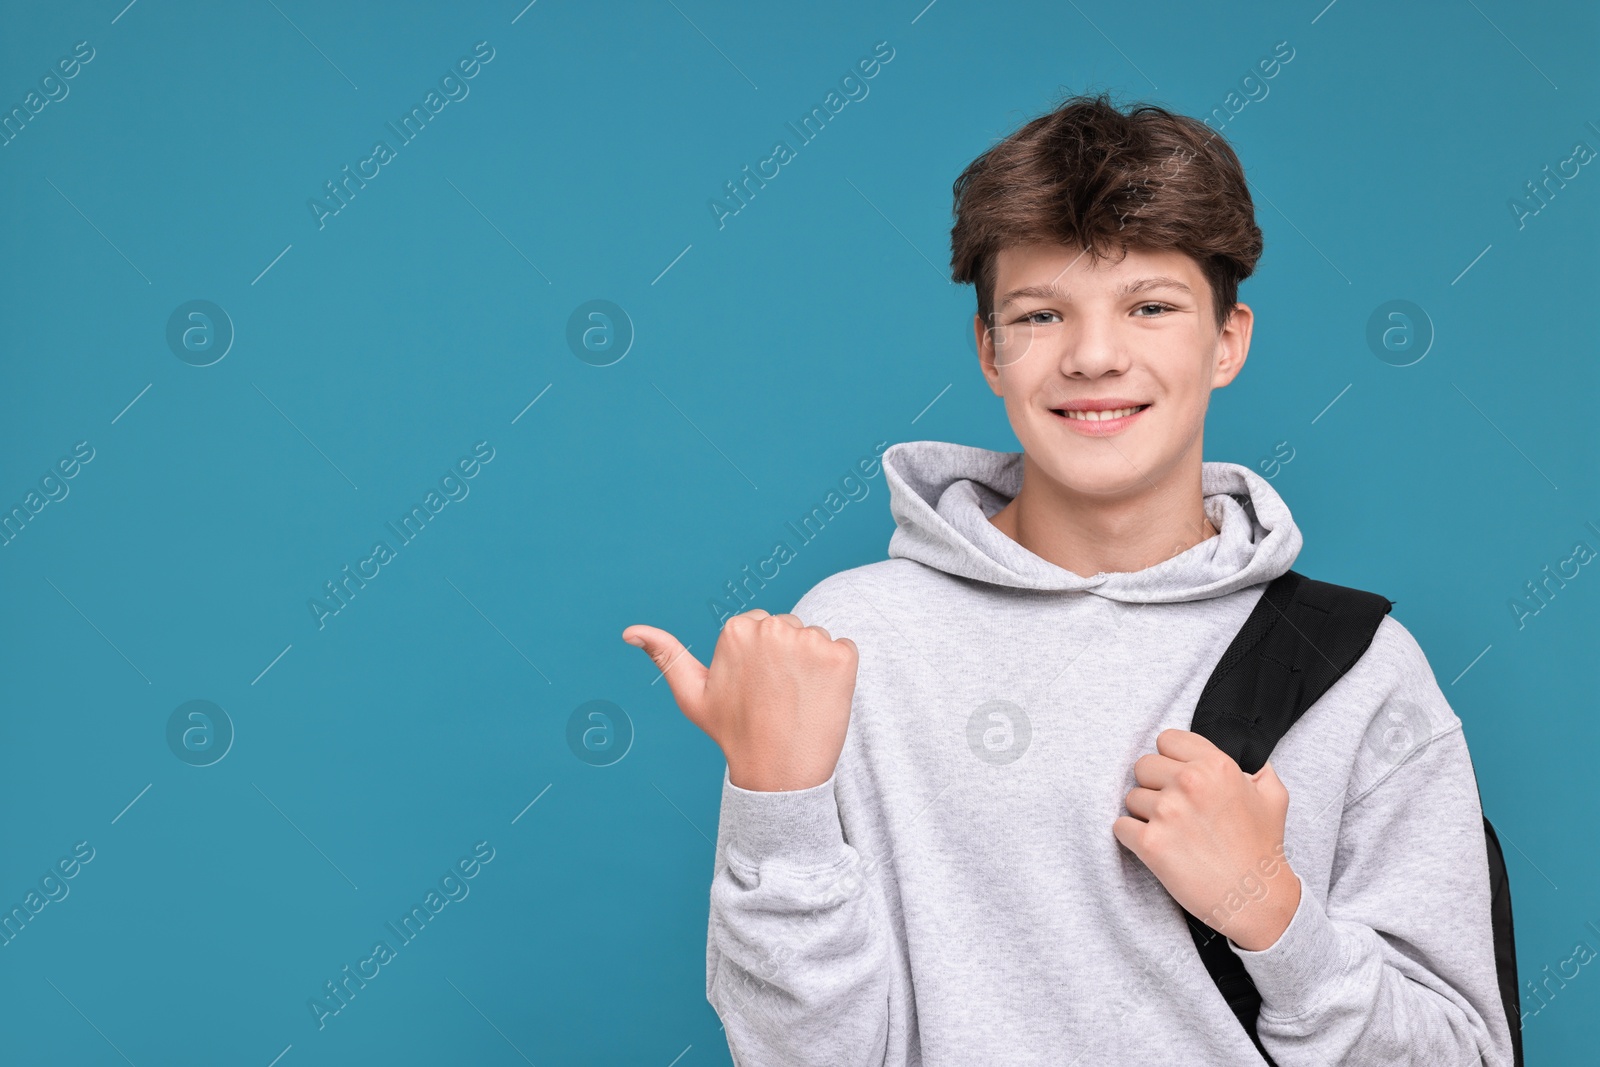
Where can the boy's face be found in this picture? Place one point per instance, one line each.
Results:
(1095, 340)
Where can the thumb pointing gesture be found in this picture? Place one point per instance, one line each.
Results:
(776, 698)
(686, 676)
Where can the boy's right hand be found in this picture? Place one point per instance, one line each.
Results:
(776, 698)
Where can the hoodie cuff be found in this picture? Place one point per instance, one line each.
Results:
(1294, 972)
(797, 827)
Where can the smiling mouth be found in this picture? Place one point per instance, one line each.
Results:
(1099, 416)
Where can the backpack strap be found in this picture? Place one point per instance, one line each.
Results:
(1301, 637)
(1505, 940)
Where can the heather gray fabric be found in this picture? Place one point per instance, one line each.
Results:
(953, 896)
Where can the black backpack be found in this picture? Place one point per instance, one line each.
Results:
(1269, 675)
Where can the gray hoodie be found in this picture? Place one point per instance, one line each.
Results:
(953, 895)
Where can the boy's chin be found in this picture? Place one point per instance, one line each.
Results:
(1095, 468)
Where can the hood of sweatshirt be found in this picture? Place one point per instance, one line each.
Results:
(942, 494)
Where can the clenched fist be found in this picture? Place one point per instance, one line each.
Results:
(776, 698)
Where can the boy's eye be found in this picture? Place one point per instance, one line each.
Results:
(1033, 318)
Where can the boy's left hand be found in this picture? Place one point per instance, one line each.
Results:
(1213, 835)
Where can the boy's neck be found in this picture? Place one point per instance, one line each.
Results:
(1094, 535)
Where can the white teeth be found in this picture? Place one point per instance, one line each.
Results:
(1100, 416)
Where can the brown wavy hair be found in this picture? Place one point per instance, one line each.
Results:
(1090, 176)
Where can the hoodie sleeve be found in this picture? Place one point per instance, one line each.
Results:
(797, 949)
(1396, 965)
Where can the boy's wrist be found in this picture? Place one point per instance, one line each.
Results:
(1259, 926)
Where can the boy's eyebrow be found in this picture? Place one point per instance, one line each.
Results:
(1138, 285)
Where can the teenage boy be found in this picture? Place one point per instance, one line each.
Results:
(965, 831)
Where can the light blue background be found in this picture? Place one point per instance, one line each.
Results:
(774, 352)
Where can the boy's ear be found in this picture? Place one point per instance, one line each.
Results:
(985, 346)
(1233, 345)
